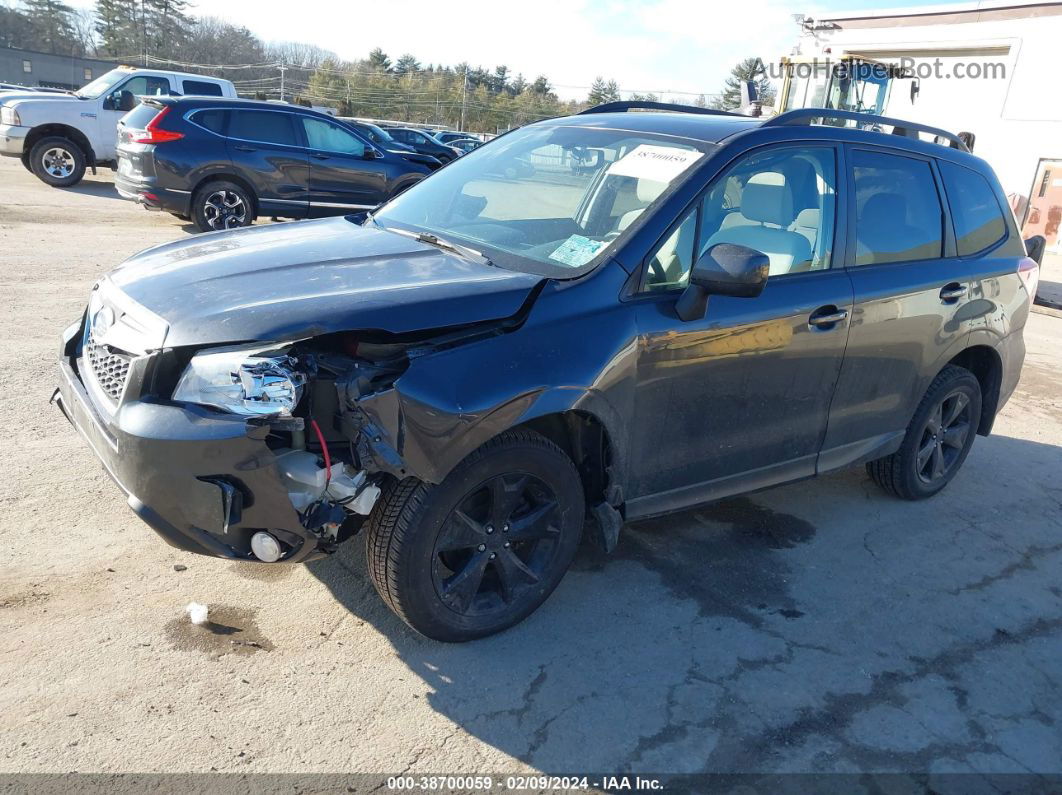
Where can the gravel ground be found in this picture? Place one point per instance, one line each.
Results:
(816, 627)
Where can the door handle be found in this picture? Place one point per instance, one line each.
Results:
(319, 156)
(826, 318)
(952, 292)
(241, 148)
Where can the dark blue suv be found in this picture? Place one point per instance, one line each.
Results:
(224, 162)
(589, 320)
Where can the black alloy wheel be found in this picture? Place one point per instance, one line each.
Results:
(944, 437)
(484, 548)
(496, 544)
(938, 438)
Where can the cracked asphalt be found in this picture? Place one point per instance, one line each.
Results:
(818, 627)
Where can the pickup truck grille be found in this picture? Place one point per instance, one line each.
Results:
(110, 368)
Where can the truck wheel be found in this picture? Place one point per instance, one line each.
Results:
(938, 439)
(222, 205)
(483, 549)
(57, 162)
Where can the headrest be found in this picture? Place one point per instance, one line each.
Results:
(649, 189)
(808, 218)
(768, 199)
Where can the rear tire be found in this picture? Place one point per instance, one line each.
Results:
(222, 205)
(938, 438)
(57, 162)
(440, 562)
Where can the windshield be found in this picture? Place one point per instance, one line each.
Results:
(375, 134)
(546, 200)
(861, 87)
(101, 84)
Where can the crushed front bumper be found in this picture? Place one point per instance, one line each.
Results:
(204, 481)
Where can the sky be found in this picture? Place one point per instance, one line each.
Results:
(659, 46)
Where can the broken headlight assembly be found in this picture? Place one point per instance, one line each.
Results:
(254, 382)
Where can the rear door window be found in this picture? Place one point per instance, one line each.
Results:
(202, 88)
(975, 212)
(264, 126)
(899, 217)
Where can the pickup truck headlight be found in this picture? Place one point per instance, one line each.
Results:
(253, 382)
(9, 115)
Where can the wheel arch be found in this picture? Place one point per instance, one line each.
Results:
(987, 366)
(73, 134)
(587, 442)
(226, 176)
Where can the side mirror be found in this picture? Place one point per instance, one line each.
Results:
(724, 269)
(370, 154)
(126, 101)
(1034, 248)
(109, 103)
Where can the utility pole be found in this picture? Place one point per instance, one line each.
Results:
(281, 67)
(464, 97)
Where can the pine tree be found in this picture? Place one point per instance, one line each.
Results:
(167, 27)
(53, 25)
(379, 61)
(748, 69)
(405, 65)
(602, 92)
(116, 25)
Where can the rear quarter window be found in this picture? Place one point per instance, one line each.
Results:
(212, 119)
(201, 88)
(975, 212)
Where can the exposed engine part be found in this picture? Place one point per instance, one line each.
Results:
(266, 547)
(318, 493)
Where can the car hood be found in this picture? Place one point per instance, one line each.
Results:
(300, 279)
(23, 97)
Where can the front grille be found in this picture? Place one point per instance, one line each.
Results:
(110, 368)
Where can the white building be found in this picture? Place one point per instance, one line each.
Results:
(991, 68)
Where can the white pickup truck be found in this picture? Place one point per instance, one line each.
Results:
(58, 135)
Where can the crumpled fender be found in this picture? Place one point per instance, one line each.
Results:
(450, 402)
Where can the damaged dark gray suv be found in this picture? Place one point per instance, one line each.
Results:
(597, 318)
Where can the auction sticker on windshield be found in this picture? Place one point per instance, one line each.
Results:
(658, 163)
(577, 250)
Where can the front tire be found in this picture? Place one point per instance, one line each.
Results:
(222, 205)
(938, 439)
(57, 162)
(484, 549)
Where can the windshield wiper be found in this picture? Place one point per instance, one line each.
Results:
(435, 240)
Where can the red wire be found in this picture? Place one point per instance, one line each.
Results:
(324, 449)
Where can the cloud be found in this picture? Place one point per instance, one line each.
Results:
(678, 45)
(652, 45)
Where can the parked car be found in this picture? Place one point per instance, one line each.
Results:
(449, 136)
(223, 162)
(465, 145)
(58, 136)
(469, 371)
(423, 143)
(380, 137)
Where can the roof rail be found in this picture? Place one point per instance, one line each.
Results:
(623, 107)
(908, 129)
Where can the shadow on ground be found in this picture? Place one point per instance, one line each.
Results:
(89, 187)
(820, 626)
